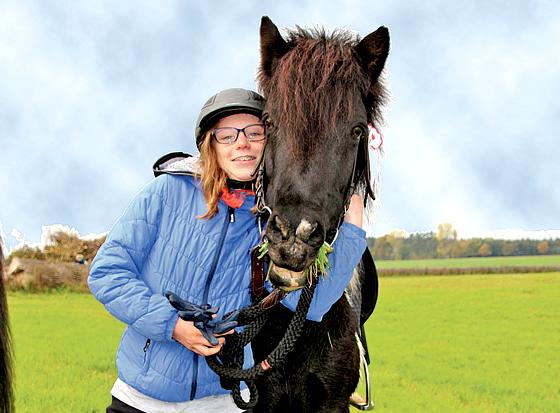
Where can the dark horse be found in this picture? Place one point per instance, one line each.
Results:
(6, 392)
(321, 90)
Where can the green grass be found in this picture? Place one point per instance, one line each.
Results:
(533, 260)
(439, 344)
(467, 343)
(65, 346)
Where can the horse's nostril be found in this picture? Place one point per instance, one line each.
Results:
(305, 229)
(282, 226)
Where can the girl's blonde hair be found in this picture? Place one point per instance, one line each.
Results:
(212, 177)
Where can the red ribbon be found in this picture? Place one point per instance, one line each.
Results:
(375, 138)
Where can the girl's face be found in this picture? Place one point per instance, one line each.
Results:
(240, 158)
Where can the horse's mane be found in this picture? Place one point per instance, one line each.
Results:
(6, 390)
(319, 74)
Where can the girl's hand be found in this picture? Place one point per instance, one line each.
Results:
(355, 213)
(189, 336)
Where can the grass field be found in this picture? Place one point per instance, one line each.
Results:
(532, 260)
(469, 344)
(439, 344)
(65, 348)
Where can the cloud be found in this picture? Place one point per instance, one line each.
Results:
(94, 92)
(473, 100)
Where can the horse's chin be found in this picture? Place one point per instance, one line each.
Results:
(287, 280)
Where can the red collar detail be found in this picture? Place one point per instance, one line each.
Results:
(235, 197)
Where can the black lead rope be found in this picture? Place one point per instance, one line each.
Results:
(229, 364)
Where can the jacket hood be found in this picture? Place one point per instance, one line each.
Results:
(177, 163)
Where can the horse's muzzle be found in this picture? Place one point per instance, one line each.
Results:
(287, 280)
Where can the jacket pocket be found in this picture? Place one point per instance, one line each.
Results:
(147, 349)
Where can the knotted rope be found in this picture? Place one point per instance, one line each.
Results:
(229, 364)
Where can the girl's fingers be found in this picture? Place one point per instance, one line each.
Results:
(227, 333)
(205, 350)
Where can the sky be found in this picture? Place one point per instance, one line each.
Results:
(93, 92)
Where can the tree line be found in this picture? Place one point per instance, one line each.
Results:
(64, 247)
(61, 247)
(444, 244)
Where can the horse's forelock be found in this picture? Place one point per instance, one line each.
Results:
(319, 75)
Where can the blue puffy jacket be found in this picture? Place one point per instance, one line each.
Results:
(159, 245)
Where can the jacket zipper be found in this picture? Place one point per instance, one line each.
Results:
(230, 217)
(146, 347)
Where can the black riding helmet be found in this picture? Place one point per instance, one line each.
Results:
(225, 103)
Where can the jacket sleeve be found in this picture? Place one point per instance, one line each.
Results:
(348, 249)
(115, 273)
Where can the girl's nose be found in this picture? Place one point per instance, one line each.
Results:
(242, 140)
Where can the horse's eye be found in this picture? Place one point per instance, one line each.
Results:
(268, 122)
(357, 132)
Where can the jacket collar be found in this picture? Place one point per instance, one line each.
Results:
(177, 163)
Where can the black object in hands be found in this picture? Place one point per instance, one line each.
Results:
(201, 316)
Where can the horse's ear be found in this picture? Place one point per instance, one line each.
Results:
(373, 51)
(273, 45)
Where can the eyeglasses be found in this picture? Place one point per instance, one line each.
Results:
(253, 133)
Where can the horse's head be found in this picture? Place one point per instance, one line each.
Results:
(321, 90)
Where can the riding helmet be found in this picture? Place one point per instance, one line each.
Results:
(225, 103)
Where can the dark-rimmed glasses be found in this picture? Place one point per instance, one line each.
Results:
(253, 133)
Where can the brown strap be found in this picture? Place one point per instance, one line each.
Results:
(257, 275)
